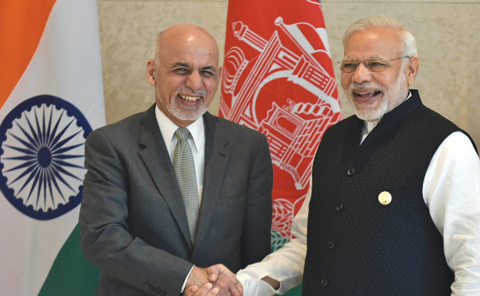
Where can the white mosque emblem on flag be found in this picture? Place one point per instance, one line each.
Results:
(41, 157)
(293, 130)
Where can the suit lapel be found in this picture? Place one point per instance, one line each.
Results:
(156, 158)
(217, 155)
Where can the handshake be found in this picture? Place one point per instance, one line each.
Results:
(219, 280)
(212, 281)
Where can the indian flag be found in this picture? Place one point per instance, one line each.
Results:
(51, 98)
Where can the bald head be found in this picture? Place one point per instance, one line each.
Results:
(185, 72)
(182, 34)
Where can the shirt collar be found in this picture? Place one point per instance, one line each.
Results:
(168, 128)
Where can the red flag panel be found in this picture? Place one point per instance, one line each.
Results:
(278, 78)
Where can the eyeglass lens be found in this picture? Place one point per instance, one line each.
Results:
(374, 65)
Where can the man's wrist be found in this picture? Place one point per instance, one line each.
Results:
(186, 279)
(257, 287)
(274, 283)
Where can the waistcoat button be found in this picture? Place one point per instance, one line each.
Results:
(351, 171)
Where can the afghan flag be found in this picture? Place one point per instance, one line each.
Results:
(51, 98)
(278, 78)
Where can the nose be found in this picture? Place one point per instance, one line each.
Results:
(362, 74)
(194, 80)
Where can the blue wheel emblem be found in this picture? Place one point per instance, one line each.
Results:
(41, 156)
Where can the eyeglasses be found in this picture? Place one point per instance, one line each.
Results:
(373, 64)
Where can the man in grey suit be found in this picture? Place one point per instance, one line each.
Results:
(134, 224)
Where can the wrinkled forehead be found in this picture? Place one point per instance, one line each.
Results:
(186, 46)
(381, 42)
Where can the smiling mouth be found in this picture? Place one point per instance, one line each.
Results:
(190, 99)
(366, 95)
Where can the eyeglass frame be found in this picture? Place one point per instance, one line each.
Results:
(367, 64)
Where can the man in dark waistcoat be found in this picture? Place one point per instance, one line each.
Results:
(394, 206)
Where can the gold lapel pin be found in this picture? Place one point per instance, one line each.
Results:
(385, 198)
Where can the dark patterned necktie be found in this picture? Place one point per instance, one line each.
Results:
(185, 171)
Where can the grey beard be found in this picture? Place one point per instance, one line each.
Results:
(392, 97)
(190, 114)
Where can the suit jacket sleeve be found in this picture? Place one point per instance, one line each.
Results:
(256, 241)
(105, 237)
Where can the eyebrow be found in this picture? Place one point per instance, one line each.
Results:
(377, 56)
(180, 64)
(211, 68)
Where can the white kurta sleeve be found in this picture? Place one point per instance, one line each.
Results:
(284, 265)
(451, 190)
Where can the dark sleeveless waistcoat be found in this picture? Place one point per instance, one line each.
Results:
(356, 245)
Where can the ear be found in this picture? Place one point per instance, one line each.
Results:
(151, 67)
(220, 69)
(412, 69)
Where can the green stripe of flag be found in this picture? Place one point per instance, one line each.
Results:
(71, 273)
(297, 291)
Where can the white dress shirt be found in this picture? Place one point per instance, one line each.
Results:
(197, 143)
(451, 190)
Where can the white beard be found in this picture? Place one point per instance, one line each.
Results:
(392, 97)
(186, 113)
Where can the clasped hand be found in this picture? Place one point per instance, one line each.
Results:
(216, 280)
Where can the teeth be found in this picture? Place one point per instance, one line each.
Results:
(190, 99)
(367, 93)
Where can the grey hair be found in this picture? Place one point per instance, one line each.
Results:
(409, 45)
(156, 48)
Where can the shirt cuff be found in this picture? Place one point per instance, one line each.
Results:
(250, 279)
(256, 287)
(186, 279)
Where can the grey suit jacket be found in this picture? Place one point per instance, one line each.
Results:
(132, 217)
